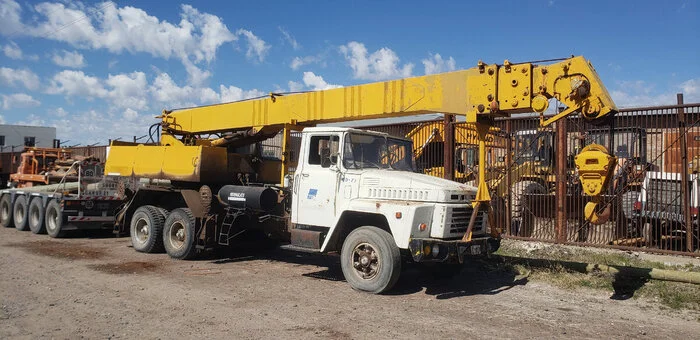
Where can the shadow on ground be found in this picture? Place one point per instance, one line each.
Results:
(476, 277)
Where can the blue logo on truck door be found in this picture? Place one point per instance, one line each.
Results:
(312, 194)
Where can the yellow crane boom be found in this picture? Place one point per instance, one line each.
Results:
(484, 91)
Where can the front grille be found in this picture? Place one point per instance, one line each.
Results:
(458, 220)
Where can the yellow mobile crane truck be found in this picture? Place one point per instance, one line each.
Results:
(351, 191)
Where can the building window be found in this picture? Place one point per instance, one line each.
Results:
(29, 141)
(2, 140)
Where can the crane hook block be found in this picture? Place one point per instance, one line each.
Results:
(595, 168)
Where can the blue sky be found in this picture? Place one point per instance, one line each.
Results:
(100, 70)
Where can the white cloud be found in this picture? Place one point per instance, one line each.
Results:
(128, 90)
(256, 46)
(195, 39)
(10, 18)
(12, 77)
(19, 100)
(317, 83)
(164, 90)
(60, 112)
(32, 120)
(76, 83)
(691, 90)
(289, 38)
(130, 114)
(294, 86)
(640, 93)
(69, 59)
(435, 64)
(298, 62)
(233, 93)
(382, 64)
(12, 51)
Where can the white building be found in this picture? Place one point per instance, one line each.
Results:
(20, 136)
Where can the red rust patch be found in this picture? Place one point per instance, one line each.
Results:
(62, 250)
(135, 267)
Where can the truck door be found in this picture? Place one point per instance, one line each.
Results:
(316, 181)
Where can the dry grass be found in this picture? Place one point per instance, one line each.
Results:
(673, 295)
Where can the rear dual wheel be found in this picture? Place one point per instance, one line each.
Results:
(179, 234)
(147, 229)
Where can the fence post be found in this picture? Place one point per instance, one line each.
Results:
(685, 184)
(449, 147)
(560, 174)
(508, 166)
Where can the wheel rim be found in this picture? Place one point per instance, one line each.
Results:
(34, 217)
(176, 237)
(52, 220)
(20, 214)
(142, 230)
(365, 261)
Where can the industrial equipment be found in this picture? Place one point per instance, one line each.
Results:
(351, 190)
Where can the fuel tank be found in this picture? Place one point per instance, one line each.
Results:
(255, 198)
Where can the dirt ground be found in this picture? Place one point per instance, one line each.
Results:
(96, 286)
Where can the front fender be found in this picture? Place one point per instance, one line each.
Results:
(403, 219)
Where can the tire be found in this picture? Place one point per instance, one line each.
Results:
(53, 219)
(522, 220)
(179, 234)
(6, 211)
(20, 212)
(625, 224)
(36, 216)
(147, 229)
(379, 274)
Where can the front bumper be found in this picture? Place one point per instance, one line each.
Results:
(422, 249)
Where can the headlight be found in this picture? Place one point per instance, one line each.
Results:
(436, 250)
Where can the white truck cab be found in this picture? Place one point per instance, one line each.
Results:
(356, 191)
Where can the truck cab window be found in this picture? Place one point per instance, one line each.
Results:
(323, 150)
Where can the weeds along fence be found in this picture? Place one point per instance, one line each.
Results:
(651, 202)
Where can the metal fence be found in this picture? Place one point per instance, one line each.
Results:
(651, 202)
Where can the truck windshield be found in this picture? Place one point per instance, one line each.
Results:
(364, 151)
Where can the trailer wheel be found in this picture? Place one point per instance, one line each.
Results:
(36, 216)
(54, 219)
(19, 213)
(523, 220)
(147, 229)
(6, 211)
(178, 234)
(370, 260)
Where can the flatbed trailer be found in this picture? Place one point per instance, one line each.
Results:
(56, 211)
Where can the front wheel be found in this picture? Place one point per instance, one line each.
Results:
(370, 260)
